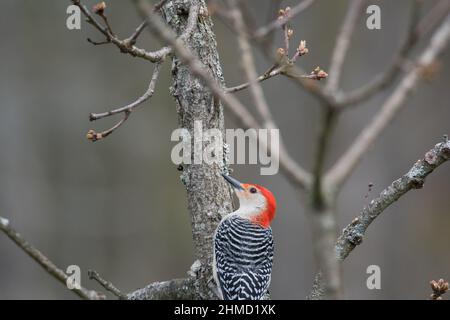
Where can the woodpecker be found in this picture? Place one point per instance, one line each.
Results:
(243, 244)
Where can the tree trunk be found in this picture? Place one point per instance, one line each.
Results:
(208, 195)
(324, 238)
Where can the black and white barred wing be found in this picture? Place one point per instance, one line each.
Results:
(244, 259)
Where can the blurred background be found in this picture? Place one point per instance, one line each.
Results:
(118, 206)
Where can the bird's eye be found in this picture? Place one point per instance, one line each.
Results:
(253, 190)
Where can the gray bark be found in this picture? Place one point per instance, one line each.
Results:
(176, 289)
(324, 227)
(353, 234)
(207, 193)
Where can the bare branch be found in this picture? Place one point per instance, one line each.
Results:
(298, 75)
(248, 64)
(176, 289)
(343, 43)
(275, 71)
(283, 64)
(294, 172)
(98, 43)
(99, 9)
(45, 263)
(288, 165)
(93, 275)
(128, 47)
(126, 110)
(345, 165)
(324, 214)
(278, 23)
(125, 46)
(353, 234)
(133, 38)
(287, 68)
(94, 136)
(272, 72)
(130, 107)
(197, 68)
(432, 18)
(417, 30)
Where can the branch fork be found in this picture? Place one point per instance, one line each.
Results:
(93, 136)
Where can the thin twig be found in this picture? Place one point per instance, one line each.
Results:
(290, 70)
(248, 63)
(130, 107)
(94, 136)
(108, 26)
(133, 38)
(45, 262)
(343, 44)
(340, 172)
(124, 45)
(280, 67)
(298, 75)
(272, 72)
(98, 43)
(94, 275)
(278, 23)
(126, 110)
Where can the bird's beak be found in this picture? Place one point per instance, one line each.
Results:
(236, 184)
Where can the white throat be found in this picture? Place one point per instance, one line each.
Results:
(248, 209)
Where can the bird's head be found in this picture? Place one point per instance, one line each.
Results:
(256, 203)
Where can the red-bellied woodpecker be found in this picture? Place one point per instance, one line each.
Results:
(243, 245)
